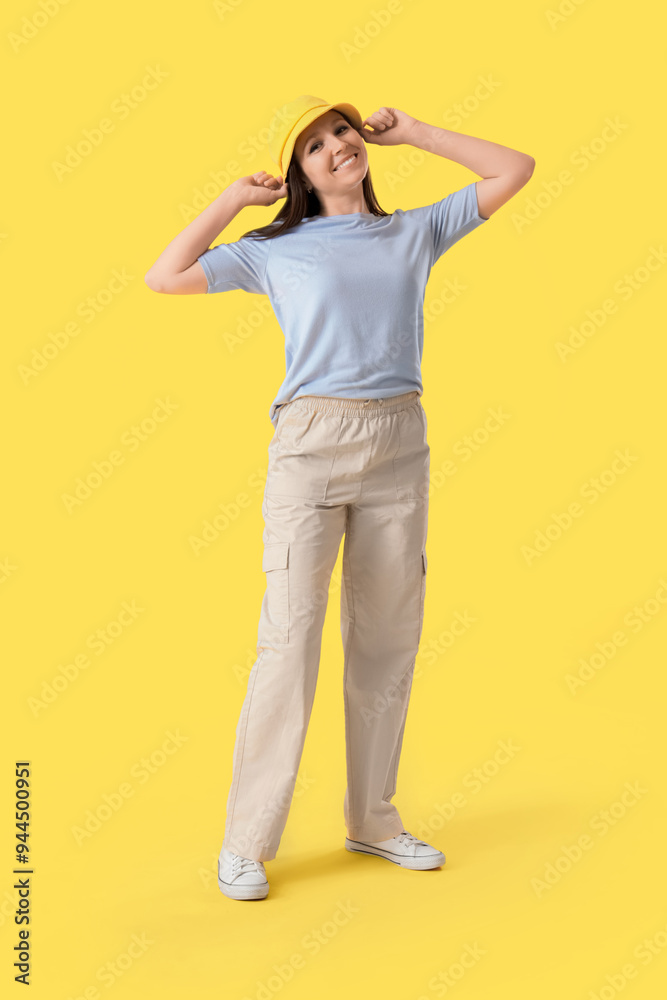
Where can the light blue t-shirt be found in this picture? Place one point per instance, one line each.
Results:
(348, 293)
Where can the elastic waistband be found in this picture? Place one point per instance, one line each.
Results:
(357, 407)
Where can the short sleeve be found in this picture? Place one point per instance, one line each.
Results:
(451, 218)
(236, 265)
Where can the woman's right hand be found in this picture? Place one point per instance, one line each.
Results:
(261, 188)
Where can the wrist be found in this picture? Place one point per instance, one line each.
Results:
(414, 130)
(235, 195)
(430, 138)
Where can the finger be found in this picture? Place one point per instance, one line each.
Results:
(378, 122)
(384, 113)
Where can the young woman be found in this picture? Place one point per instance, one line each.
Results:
(349, 456)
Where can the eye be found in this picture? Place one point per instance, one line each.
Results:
(318, 143)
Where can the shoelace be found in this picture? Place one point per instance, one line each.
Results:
(407, 838)
(241, 865)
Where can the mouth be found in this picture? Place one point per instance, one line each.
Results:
(346, 163)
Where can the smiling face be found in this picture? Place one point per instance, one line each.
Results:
(333, 159)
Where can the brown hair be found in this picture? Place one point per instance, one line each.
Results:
(300, 204)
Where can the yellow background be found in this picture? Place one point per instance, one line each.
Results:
(536, 269)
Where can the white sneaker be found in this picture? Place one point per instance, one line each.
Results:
(241, 878)
(404, 850)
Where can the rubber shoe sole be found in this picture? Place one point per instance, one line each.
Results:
(421, 863)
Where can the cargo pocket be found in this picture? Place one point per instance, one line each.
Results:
(423, 594)
(275, 613)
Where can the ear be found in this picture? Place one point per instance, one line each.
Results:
(299, 174)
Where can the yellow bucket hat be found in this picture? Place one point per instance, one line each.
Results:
(293, 118)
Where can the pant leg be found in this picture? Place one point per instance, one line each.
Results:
(382, 607)
(301, 543)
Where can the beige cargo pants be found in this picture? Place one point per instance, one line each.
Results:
(337, 467)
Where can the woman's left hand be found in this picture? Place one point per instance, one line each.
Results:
(391, 127)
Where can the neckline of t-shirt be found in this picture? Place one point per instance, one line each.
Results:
(339, 215)
(347, 215)
(342, 215)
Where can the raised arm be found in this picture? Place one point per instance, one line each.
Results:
(504, 170)
(177, 270)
